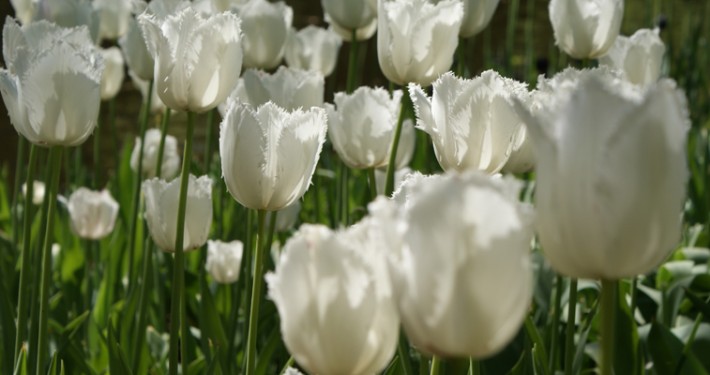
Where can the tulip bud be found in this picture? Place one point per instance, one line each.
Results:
(268, 154)
(313, 48)
(207, 68)
(449, 300)
(161, 211)
(51, 84)
(611, 183)
(472, 122)
(112, 79)
(288, 88)
(93, 213)
(224, 260)
(138, 59)
(639, 57)
(586, 29)
(350, 14)
(266, 28)
(114, 16)
(422, 48)
(324, 279)
(171, 157)
(38, 190)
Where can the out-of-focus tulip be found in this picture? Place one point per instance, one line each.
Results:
(287, 217)
(198, 59)
(350, 14)
(288, 88)
(224, 5)
(364, 33)
(362, 127)
(171, 157)
(449, 302)
(611, 182)
(92, 213)
(135, 51)
(266, 28)
(156, 104)
(114, 16)
(69, 13)
(323, 279)
(24, 10)
(423, 47)
(112, 79)
(476, 16)
(313, 48)
(51, 84)
(161, 211)
(522, 157)
(38, 190)
(586, 29)
(268, 154)
(399, 176)
(639, 57)
(224, 260)
(472, 122)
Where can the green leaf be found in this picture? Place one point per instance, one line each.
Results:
(666, 350)
(117, 359)
(21, 367)
(211, 324)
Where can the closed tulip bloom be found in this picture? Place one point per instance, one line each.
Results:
(334, 297)
(472, 122)
(363, 33)
(640, 57)
(135, 51)
(586, 29)
(460, 235)
(416, 40)
(611, 183)
(171, 156)
(51, 84)
(161, 211)
(69, 13)
(24, 10)
(362, 127)
(224, 260)
(268, 154)
(313, 48)
(92, 213)
(198, 59)
(114, 16)
(266, 28)
(351, 14)
(112, 79)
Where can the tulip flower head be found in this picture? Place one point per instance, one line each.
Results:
(640, 56)
(224, 260)
(93, 213)
(156, 104)
(471, 122)
(313, 48)
(38, 191)
(114, 16)
(269, 154)
(135, 51)
(161, 211)
(477, 15)
(351, 14)
(112, 78)
(171, 156)
(586, 29)
(69, 13)
(266, 29)
(24, 10)
(324, 279)
(610, 184)
(51, 84)
(198, 59)
(416, 40)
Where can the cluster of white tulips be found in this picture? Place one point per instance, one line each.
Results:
(607, 146)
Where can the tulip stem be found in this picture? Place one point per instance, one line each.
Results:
(255, 294)
(372, 183)
(178, 301)
(352, 62)
(208, 137)
(22, 294)
(608, 307)
(19, 167)
(571, 324)
(161, 146)
(55, 156)
(97, 151)
(389, 181)
(403, 353)
(554, 331)
(139, 334)
(435, 366)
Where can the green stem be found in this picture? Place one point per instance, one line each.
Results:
(634, 287)
(316, 196)
(26, 249)
(372, 182)
(608, 307)
(139, 334)
(554, 332)
(461, 58)
(570, 329)
(288, 364)
(97, 152)
(161, 146)
(688, 344)
(208, 147)
(403, 353)
(435, 366)
(55, 157)
(352, 63)
(19, 167)
(475, 367)
(389, 181)
(255, 295)
(344, 195)
(177, 303)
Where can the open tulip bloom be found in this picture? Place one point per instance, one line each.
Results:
(313, 48)
(586, 29)
(224, 260)
(640, 56)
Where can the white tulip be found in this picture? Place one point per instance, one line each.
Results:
(268, 154)
(114, 16)
(69, 13)
(586, 29)
(92, 213)
(112, 78)
(363, 33)
(460, 235)
(286, 217)
(522, 156)
(472, 122)
(198, 59)
(640, 57)
(161, 211)
(362, 127)
(313, 48)
(135, 51)
(38, 191)
(171, 155)
(416, 40)
(611, 173)
(477, 15)
(335, 301)
(350, 14)
(51, 84)
(156, 104)
(266, 28)
(224, 5)
(24, 10)
(399, 176)
(224, 260)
